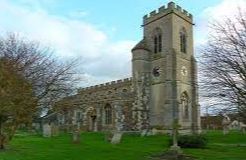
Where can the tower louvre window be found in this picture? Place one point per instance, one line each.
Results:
(157, 40)
(183, 41)
(159, 43)
(155, 44)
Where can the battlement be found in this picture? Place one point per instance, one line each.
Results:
(107, 85)
(162, 11)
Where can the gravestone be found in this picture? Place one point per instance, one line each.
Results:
(116, 138)
(46, 130)
(144, 133)
(226, 124)
(76, 136)
(234, 125)
(242, 127)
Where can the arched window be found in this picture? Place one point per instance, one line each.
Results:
(108, 114)
(185, 105)
(157, 40)
(183, 40)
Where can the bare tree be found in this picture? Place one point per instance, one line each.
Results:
(31, 80)
(224, 65)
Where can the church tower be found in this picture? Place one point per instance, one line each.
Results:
(165, 72)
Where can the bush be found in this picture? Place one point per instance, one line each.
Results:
(191, 141)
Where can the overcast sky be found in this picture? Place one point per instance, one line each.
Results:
(100, 32)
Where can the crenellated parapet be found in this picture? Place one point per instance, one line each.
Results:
(163, 11)
(108, 85)
(115, 90)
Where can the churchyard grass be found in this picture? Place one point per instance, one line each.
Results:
(222, 147)
(133, 147)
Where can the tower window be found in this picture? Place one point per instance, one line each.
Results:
(157, 41)
(183, 41)
(108, 114)
(155, 44)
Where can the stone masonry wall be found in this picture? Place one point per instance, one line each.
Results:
(116, 94)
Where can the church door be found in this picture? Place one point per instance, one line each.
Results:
(92, 119)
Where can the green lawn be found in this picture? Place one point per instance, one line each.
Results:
(133, 147)
(222, 147)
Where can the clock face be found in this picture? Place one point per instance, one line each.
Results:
(184, 71)
(156, 71)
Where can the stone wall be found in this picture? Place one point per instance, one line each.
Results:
(116, 94)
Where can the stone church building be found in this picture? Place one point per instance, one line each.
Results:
(163, 86)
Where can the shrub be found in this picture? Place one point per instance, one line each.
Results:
(191, 141)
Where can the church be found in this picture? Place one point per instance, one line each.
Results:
(163, 86)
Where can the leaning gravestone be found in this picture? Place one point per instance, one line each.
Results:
(46, 130)
(116, 138)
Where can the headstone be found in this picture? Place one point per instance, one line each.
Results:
(226, 123)
(36, 126)
(144, 133)
(242, 127)
(76, 136)
(116, 138)
(235, 125)
(46, 130)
